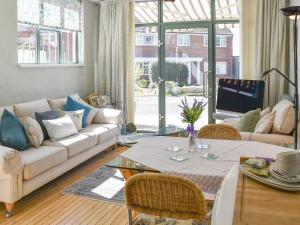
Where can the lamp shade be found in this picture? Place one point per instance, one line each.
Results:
(291, 12)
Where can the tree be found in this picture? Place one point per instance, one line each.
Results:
(177, 72)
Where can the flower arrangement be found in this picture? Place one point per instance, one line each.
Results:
(191, 114)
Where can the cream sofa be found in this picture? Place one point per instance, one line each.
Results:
(22, 172)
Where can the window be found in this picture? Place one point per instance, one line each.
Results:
(146, 39)
(221, 41)
(221, 68)
(49, 31)
(183, 40)
(145, 68)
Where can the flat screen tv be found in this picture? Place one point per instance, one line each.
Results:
(240, 95)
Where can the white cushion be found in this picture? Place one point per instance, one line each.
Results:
(265, 123)
(75, 144)
(60, 128)
(76, 117)
(284, 117)
(103, 132)
(29, 108)
(107, 115)
(39, 160)
(33, 131)
(265, 112)
(59, 103)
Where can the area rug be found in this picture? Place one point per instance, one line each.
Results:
(105, 184)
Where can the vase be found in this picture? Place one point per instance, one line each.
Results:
(192, 143)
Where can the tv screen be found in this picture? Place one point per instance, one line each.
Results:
(240, 95)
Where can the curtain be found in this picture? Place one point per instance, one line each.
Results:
(115, 65)
(267, 44)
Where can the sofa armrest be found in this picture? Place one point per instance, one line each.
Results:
(108, 115)
(10, 161)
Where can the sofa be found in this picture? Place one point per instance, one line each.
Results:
(281, 131)
(22, 172)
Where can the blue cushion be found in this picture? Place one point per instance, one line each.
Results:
(73, 105)
(12, 132)
(48, 115)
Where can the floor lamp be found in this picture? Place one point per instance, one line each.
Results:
(292, 12)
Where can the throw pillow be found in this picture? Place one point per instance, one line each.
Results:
(284, 117)
(33, 131)
(60, 128)
(48, 115)
(249, 120)
(265, 123)
(76, 117)
(92, 113)
(265, 112)
(73, 105)
(12, 132)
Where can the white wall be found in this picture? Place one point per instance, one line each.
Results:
(22, 84)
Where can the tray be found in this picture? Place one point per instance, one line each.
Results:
(271, 181)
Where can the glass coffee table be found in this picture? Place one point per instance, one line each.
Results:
(128, 167)
(131, 139)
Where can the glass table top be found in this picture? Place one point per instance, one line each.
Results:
(121, 162)
(133, 138)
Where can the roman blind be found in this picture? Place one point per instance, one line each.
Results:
(56, 14)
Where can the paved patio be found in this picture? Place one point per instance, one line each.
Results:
(147, 111)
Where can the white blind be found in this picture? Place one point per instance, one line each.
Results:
(62, 14)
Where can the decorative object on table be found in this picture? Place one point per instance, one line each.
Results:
(179, 158)
(174, 149)
(190, 115)
(128, 128)
(293, 13)
(268, 174)
(219, 131)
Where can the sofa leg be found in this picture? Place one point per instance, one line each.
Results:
(9, 207)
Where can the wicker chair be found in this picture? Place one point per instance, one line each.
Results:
(165, 196)
(219, 131)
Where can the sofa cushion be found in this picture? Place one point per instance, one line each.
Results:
(29, 108)
(103, 132)
(284, 117)
(75, 144)
(47, 115)
(12, 133)
(73, 105)
(33, 131)
(265, 123)
(248, 121)
(60, 128)
(39, 160)
(59, 103)
(9, 108)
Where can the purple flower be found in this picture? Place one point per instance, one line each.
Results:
(191, 129)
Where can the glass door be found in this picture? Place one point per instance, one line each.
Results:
(186, 65)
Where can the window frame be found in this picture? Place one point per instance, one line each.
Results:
(220, 66)
(79, 47)
(181, 41)
(141, 39)
(221, 41)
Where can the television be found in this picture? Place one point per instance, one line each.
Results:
(240, 95)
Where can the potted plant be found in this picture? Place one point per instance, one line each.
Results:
(190, 115)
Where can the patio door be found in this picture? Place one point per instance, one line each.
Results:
(186, 60)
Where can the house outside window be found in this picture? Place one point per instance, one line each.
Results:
(221, 68)
(183, 40)
(144, 39)
(145, 68)
(49, 32)
(221, 41)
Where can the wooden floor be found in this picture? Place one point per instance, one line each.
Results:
(48, 205)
